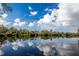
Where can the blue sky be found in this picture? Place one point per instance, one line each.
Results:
(21, 10)
(62, 17)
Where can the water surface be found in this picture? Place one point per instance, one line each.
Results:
(40, 47)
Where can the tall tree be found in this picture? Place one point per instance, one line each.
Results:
(6, 7)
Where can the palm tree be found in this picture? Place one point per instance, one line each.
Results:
(5, 7)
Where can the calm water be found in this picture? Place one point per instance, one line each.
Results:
(40, 47)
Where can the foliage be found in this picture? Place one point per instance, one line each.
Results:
(14, 33)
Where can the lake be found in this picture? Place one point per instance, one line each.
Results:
(40, 47)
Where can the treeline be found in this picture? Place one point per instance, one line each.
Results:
(14, 33)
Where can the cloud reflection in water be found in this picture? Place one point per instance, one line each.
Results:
(37, 46)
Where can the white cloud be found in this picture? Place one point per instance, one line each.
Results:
(7, 43)
(46, 9)
(63, 15)
(30, 8)
(20, 43)
(4, 15)
(48, 21)
(30, 43)
(45, 20)
(15, 48)
(33, 13)
(3, 21)
(46, 48)
(17, 20)
(17, 44)
(1, 52)
(68, 15)
(31, 24)
(19, 23)
(50, 10)
(67, 18)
